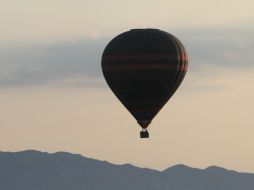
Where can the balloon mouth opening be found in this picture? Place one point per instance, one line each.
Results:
(144, 124)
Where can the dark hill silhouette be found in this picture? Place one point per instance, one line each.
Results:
(34, 170)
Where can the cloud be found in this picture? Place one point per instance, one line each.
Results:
(73, 62)
(223, 47)
(78, 63)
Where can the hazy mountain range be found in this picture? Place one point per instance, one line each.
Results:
(34, 170)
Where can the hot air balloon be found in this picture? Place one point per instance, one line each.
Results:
(144, 68)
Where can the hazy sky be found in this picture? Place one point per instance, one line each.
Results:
(53, 96)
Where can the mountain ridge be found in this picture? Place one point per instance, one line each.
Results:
(32, 170)
(85, 157)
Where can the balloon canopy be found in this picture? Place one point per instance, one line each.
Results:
(144, 67)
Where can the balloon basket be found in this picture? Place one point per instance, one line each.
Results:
(144, 134)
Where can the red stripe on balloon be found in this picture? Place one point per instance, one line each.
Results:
(117, 67)
(144, 57)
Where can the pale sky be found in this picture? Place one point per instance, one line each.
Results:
(53, 96)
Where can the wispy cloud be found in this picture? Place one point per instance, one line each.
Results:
(78, 63)
(40, 65)
(220, 48)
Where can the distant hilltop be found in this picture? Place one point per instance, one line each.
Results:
(34, 170)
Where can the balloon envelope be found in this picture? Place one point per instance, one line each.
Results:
(144, 67)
